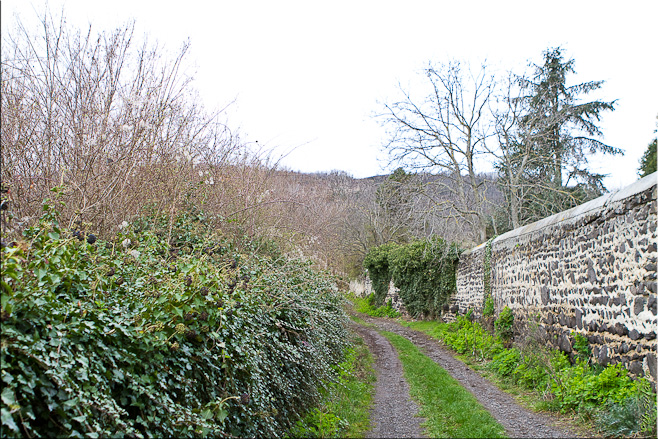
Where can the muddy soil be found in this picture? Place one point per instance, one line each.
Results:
(518, 421)
(394, 413)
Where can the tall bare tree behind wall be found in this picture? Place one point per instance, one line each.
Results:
(444, 132)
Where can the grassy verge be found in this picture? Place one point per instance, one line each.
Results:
(450, 410)
(345, 407)
(360, 321)
(544, 379)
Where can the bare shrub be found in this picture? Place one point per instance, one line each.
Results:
(119, 126)
(115, 123)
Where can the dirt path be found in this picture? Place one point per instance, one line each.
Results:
(393, 413)
(518, 421)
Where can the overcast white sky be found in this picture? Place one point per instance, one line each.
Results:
(309, 74)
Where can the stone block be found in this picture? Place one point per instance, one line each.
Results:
(635, 367)
(634, 335)
(624, 348)
(544, 295)
(562, 319)
(619, 329)
(651, 304)
(564, 343)
(603, 358)
(638, 305)
(579, 318)
(571, 322)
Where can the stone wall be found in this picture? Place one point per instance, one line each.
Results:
(393, 296)
(470, 284)
(361, 287)
(589, 270)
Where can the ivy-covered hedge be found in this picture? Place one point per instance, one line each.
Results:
(134, 337)
(424, 271)
(377, 264)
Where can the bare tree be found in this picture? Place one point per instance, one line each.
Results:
(445, 132)
(514, 150)
(113, 121)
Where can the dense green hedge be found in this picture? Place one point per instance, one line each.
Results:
(424, 271)
(377, 264)
(139, 338)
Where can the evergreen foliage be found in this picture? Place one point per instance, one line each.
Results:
(377, 264)
(648, 160)
(424, 271)
(138, 336)
(556, 133)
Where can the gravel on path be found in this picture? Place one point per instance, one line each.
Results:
(394, 414)
(518, 421)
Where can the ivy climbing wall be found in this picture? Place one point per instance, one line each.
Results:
(588, 270)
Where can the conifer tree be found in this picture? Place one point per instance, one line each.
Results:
(561, 131)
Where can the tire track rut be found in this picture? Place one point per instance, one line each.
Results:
(393, 414)
(518, 421)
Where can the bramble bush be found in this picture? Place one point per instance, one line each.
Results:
(138, 336)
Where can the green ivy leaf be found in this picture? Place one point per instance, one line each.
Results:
(118, 375)
(8, 420)
(8, 396)
(71, 403)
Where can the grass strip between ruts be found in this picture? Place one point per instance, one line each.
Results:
(450, 410)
